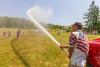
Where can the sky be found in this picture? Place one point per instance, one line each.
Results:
(61, 12)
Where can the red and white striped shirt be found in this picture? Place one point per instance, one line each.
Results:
(79, 41)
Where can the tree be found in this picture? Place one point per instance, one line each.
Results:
(92, 19)
(15, 22)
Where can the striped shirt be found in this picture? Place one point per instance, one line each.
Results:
(79, 41)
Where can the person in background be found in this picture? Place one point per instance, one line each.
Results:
(4, 33)
(58, 33)
(79, 49)
(9, 33)
(18, 34)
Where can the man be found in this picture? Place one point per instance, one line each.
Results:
(18, 34)
(79, 52)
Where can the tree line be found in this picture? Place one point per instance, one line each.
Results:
(15, 22)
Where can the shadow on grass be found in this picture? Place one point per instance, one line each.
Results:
(17, 53)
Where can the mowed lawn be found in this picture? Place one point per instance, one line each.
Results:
(33, 49)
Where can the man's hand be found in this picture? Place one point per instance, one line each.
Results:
(61, 47)
(69, 56)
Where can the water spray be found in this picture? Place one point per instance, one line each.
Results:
(43, 29)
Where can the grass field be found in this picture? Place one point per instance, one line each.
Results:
(33, 49)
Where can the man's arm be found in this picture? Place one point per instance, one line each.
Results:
(62, 47)
(69, 51)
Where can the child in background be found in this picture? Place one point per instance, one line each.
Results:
(79, 52)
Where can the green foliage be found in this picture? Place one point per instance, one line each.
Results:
(68, 29)
(92, 18)
(51, 26)
(15, 22)
(11, 22)
(59, 27)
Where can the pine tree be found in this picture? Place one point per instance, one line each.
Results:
(92, 18)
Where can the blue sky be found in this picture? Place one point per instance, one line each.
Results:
(65, 12)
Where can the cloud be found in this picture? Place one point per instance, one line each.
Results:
(41, 14)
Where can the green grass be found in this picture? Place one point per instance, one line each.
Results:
(33, 50)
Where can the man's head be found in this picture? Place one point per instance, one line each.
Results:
(77, 26)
